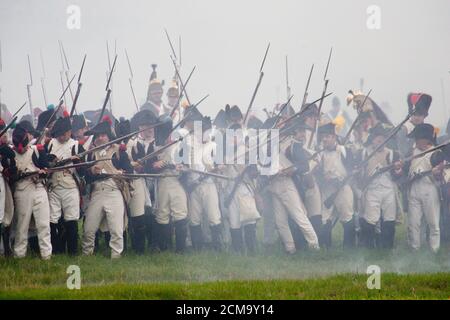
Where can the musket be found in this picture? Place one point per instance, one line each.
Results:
(188, 113)
(384, 169)
(14, 119)
(305, 95)
(330, 200)
(102, 146)
(130, 80)
(183, 86)
(61, 168)
(347, 136)
(206, 173)
(29, 91)
(77, 94)
(108, 91)
(179, 78)
(66, 71)
(21, 107)
(155, 153)
(261, 75)
(43, 78)
(281, 111)
(110, 71)
(288, 88)
(61, 101)
(135, 175)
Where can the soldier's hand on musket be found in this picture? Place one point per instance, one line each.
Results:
(137, 166)
(75, 158)
(159, 164)
(438, 169)
(42, 171)
(179, 166)
(96, 169)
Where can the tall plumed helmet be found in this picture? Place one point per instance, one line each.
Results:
(419, 103)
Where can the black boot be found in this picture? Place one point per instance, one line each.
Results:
(316, 222)
(297, 235)
(55, 238)
(196, 237)
(180, 235)
(6, 241)
(107, 236)
(387, 234)
(236, 240)
(151, 230)
(349, 234)
(326, 234)
(163, 233)
(367, 235)
(216, 235)
(138, 234)
(34, 245)
(250, 238)
(71, 228)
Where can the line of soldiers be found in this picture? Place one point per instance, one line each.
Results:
(150, 179)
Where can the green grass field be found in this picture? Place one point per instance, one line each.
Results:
(271, 274)
(307, 275)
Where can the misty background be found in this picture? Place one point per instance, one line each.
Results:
(226, 41)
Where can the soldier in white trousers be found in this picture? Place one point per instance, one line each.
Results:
(379, 190)
(334, 161)
(203, 195)
(171, 200)
(108, 195)
(423, 197)
(30, 195)
(287, 203)
(64, 194)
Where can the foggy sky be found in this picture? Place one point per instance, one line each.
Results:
(226, 40)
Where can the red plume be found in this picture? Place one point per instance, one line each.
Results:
(40, 147)
(123, 147)
(107, 119)
(20, 148)
(2, 122)
(66, 114)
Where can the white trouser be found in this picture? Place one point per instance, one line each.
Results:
(379, 202)
(64, 202)
(105, 203)
(313, 201)
(423, 201)
(342, 206)
(32, 201)
(287, 202)
(204, 200)
(234, 210)
(2, 197)
(138, 199)
(172, 201)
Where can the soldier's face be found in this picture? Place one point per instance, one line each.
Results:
(172, 100)
(4, 139)
(329, 141)
(65, 137)
(417, 119)
(101, 139)
(377, 141)
(310, 121)
(423, 144)
(149, 133)
(156, 94)
(300, 135)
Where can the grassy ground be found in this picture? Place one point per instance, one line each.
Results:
(326, 275)
(334, 274)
